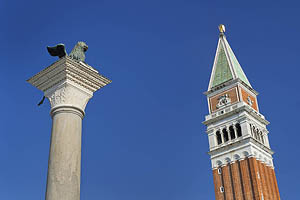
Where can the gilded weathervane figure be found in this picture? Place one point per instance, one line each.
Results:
(222, 28)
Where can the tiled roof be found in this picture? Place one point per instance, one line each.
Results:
(226, 67)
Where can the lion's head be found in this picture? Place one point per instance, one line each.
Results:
(78, 52)
(82, 45)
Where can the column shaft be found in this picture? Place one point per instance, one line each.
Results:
(235, 131)
(229, 135)
(63, 182)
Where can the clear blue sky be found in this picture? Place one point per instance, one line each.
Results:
(142, 135)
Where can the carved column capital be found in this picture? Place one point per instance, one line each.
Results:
(68, 95)
(68, 83)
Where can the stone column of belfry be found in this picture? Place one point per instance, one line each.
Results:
(68, 84)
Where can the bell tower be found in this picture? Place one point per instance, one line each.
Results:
(239, 147)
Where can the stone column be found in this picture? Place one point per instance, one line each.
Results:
(228, 131)
(222, 136)
(68, 85)
(235, 131)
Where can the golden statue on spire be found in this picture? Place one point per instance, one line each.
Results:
(222, 28)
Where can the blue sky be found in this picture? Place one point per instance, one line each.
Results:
(142, 134)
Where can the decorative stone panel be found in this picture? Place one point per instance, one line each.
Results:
(232, 97)
(249, 99)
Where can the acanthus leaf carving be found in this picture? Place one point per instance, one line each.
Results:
(67, 94)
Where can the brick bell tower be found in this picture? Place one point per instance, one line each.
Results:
(239, 147)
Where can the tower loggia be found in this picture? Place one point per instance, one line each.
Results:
(239, 147)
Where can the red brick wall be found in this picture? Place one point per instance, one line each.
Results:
(227, 182)
(218, 184)
(275, 184)
(248, 179)
(269, 182)
(255, 178)
(237, 184)
(263, 179)
(270, 178)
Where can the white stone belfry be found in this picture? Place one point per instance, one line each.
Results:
(68, 85)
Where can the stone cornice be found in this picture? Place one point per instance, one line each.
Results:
(68, 69)
(230, 83)
(240, 143)
(240, 107)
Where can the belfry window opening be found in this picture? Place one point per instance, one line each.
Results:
(238, 129)
(232, 133)
(219, 137)
(262, 137)
(257, 134)
(225, 135)
(253, 130)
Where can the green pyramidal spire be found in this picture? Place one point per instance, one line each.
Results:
(226, 67)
